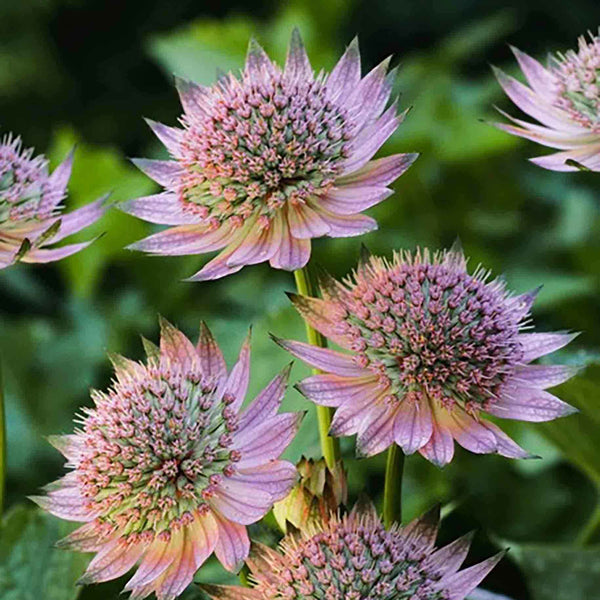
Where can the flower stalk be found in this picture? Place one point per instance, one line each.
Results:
(329, 445)
(392, 493)
(2, 446)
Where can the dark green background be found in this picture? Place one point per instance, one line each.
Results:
(85, 72)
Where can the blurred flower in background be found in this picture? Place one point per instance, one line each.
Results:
(432, 347)
(565, 98)
(30, 207)
(267, 161)
(166, 470)
(355, 558)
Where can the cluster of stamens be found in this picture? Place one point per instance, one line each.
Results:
(154, 450)
(354, 558)
(428, 327)
(24, 187)
(578, 83)
(259, 145)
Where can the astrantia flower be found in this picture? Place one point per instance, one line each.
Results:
(355, 558)
(266, 161)
(565, 98)
(167, 470)
(434, 348)
(30, 207)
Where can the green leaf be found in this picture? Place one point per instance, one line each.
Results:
(578, 436)
(559, 572)
(31, 568)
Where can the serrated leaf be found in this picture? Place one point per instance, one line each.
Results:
(31, 568)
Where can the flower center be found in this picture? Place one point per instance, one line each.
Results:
(578, 83)
(258, 145)
(352, 562)
(23, 184)
(156, 450)
(431, 329)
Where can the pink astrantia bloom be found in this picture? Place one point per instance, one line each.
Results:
(168, 470)
(433, 348)
(267, 160)
(30, 207)
(565, 98)
(355, 558)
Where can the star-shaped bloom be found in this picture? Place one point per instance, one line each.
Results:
(432, 349)
(166, 468)
(267, 160)
(565, 98)
(31, 215)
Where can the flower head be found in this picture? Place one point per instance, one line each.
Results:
(271, 158)
(356, 558)
(565, 98)
(319, 493)
(433, 348)
(30, 207)
(167, 470)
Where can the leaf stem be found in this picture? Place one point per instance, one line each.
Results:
(392, 493)
(329, 446)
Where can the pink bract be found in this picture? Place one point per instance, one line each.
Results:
(565, 98)
(431, 349)
(30, 207)
(356, 558)
(266, 161)
(166, 468)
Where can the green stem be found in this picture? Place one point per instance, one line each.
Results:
(2, 447)
(330, 446)
(392, 493)
(591, 529)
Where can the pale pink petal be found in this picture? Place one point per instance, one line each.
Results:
(413, 426)
(376, 432)
(276, 478)
(535, 345)
(163, 209)
(469, 433)
(59, 178)
(306, 223)
(345, 76)
(459, 585)
(204, 534)
(158, 558)
(266, 441)
(292, 254)
(422, 531)
(506, 446)
(84, 539)
(67, 504)
(37, 255)
(259, 245)
(323, 358)
(347, 225)
(181, 572)
(350, 199)
(165, 172)
(440, 447)
(241, 503)
(544, 376)
(538, 77)
(239, 378)
(588, 156)
(113, 562)
(233, 545)
(79, 219)
(447, 560)
(351, 415)
(175, 348)
(380, 172)
(185, 239)
(297, 65)
(211, 358)
(258, 64)
(170, 136)
(528, 404)
(192, 97)
(334, 390)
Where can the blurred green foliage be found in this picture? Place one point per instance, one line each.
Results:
(472, 181)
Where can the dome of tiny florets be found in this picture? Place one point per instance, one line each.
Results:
(355, 558)
(427, 326)
(25, 189)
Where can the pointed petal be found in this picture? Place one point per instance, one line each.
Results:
(376, 432)
(461, 584)
(588, 156)
(79, 219)
(447, 560)
(350, 199)
(422, 531)
(440, 448)
(345, 76)
(211, 358)
(544, 376)
(176, 348)
(469, 433)
(413, 426)
(185, 239)
(233, 546)
(306, 223)
(380, 172)
(239, 378)
(292, 254)
(181, 572)
(113, 563)
(297, 65)
(528, 404)
(259, 245)
(276, 478)
(241, 503)
(535, 345)
(192, 97)
(169, 136)
(333, 390)
(506, 446)
(162, 209)
(59, 178)
(45, 256)
(538, 77)
(258, 63)
(352, 414)
(158, 558)
(347, 225)
(165, 172)
(323, 358)
(267, 402)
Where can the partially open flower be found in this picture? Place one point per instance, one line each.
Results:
(356, 558)
(565, 98)
(30, 207)
(433, 348)
(166, 469)
(319, 493)
(266, 161)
